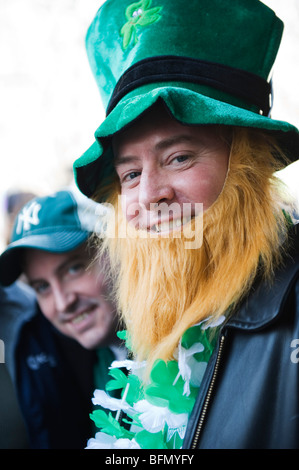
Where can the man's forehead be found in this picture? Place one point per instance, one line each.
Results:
(158, 145)
(37, 260)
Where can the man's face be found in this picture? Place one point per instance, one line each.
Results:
(72, 295)
(160, 161)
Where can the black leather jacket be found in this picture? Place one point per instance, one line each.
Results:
(249, 398)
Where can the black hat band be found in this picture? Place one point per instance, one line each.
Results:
(248, 86)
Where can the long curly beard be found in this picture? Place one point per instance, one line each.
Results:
(162, 288)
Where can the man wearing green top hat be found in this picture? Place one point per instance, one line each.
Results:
(207, 267)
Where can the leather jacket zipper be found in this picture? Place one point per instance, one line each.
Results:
(208, 396)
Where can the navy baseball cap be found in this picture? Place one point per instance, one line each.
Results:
(57, 223)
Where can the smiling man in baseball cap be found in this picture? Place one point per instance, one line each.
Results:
(51, 245)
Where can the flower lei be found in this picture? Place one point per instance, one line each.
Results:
(158, 411)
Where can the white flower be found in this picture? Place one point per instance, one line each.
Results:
(114, 404)
(185, 356)
(191, 370)
(214, 323)
(128, 364)
(126, 444)
(105, 441)
(181, 432)
(134, 366)
(153, 418)
(101, 441)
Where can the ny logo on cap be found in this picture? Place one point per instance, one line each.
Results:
(28, 217)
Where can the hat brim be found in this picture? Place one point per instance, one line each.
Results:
(57, 242)
(187, 104)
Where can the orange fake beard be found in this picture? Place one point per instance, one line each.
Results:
(162, 288)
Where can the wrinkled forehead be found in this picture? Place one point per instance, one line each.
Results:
(164, 131)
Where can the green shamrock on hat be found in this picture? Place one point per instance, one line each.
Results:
(138, 14)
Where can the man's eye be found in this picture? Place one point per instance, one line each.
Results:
(132, 175)
(41, 288)
(181, 158)
(76, 268)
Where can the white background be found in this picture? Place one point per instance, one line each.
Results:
(49, 102)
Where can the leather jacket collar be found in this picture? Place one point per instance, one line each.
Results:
(266, 301)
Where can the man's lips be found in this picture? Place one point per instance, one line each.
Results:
(80, 315)
(169, 225)
(79, 318)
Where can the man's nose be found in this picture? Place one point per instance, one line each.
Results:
(64, 299)
(154, 188)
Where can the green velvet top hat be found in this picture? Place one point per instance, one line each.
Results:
(57, 223)
(208, 60)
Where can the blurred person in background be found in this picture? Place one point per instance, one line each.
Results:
(16, 301)
(61, 351)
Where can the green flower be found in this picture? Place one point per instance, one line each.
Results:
(165, 390)
(149, 440)
(121, 380)
(123, 335)
(138, 14)
(108, 424)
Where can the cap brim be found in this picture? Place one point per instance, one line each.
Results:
(186, 105)
(57, 242)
